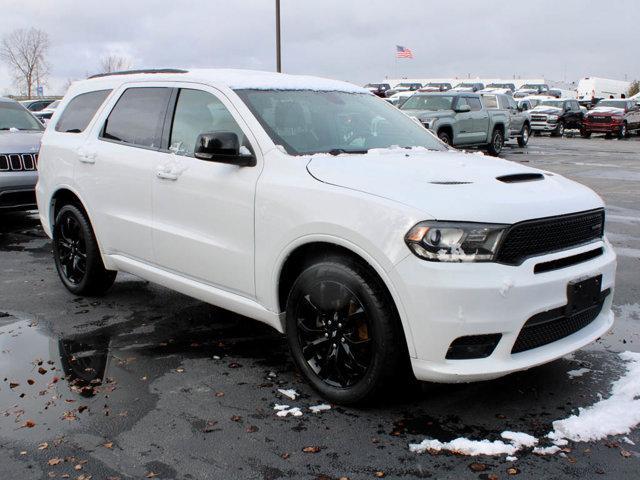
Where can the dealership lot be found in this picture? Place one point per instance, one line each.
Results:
(145, 382)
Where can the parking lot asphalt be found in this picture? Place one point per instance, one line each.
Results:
(147, 383)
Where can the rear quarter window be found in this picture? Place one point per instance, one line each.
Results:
(80, 111)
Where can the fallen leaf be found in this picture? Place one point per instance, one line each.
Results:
(513, 471)
(54, 461)
(69, 416)
(43, 446)
(82, 408)
(251, 429)
(379, 474)
(108, 445)
(77, 467)
(219, 394)
(209, 426)
(42, 371)
(29, 424)
(23, 452)
(180, 370)
(151, 475)
(13, 384)
(31, 381)
(234, 365)
(311, 449)
(236, 418)
(285, 456)
(477, 467)
(492, 476)
(625, 453)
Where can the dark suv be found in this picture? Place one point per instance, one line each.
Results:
(554, 116)
(379, 89)
(613, 117)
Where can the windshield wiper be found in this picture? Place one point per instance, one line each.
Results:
(338, 151)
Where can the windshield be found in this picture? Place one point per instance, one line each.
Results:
(612, 103)
(306, 122)
(499, 85)
(465, 85)
(428, 102)
(552, 103)
(54, 104)
(13, 115)
(532, 87)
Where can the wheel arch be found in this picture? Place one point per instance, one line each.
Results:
(304, 252)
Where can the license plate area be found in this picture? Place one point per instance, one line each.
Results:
(583, 294)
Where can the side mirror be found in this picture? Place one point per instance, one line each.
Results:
(223, 147)
(463, 108)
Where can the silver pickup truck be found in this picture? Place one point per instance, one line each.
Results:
(518, 111)
(460, 119)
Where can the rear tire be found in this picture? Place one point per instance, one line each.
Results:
(77, 255)
(497, 143)
(624, 132)
(523, 139)
(343, 331)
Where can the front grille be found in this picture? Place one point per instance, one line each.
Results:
(545, 235)
(595, 119)
(19, 162)
(538, 118)
(548, 327)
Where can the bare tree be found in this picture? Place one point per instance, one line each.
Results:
(114, 63)
(24, 51)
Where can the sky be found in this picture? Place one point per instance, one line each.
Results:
(351, 40)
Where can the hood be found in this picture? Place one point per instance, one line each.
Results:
(606, 110)
(19, 141)
(426, 114)
(455, 186)
(546, 109)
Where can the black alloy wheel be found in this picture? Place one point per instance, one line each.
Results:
(71, 248)
(77, 255)
(333, 332)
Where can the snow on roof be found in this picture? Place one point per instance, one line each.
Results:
(239, 79)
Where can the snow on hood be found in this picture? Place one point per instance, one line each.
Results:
(546, 109)
(19, 141)
(423, 179)
(607, 110)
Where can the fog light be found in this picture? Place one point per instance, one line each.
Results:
(473, 346)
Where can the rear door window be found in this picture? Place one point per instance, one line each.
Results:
(138, 117)
(80, 111)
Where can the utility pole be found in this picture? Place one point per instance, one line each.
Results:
(278, 55)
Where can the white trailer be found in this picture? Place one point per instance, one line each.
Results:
(598, 88)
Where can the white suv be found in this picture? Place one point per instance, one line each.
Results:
(321, 210)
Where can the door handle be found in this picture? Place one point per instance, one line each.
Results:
(85, 157)
(166, 175)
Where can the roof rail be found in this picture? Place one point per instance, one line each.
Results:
(132, 72)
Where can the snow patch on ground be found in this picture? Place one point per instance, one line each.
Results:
(285, 410)
(319, 408)
(290, 393)
(615, 415)
(511, 459)
(577, 373)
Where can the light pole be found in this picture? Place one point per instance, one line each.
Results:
(278, 56)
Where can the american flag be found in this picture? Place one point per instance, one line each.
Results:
(403, 52)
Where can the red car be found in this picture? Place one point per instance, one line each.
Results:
(613, 117)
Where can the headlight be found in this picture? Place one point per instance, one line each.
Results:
(552, 118)
(455, 242)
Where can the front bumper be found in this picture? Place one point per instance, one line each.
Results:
(601, 127)
(544, 126)
(17, 190)
(445, 301)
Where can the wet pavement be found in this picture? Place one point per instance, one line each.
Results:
(148, 383)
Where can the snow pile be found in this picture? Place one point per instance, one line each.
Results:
(577, 373)
(616, 415)
(290, 393)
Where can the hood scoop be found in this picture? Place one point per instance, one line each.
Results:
(520, 177)
(449, 182)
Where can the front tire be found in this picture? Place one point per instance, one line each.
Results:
(77, 255)
(584, 133)
(624, 132)
(497, 143)
(523, 139)
(343, 330)
(559, 131)
(444, 137)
